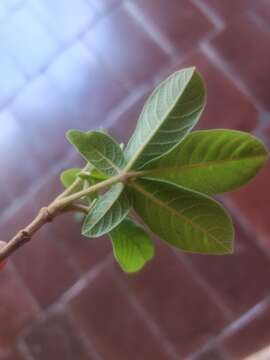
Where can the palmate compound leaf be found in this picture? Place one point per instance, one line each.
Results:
(167, 117)
(108, 212)
(211, 161)
(132, 246)
(185, 219)
(99, 149)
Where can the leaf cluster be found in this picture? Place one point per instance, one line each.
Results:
(166, 175)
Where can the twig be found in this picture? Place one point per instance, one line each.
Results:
(77, 208)
(72, 187)
(25, 235)
(47, 214)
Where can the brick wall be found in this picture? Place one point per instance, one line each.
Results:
(91, 63)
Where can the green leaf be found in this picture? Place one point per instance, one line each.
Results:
(99, 149)
(132, 247)
(188, 220)
(109, 210)
(68, 177)
(98, 175)
(212, 162)
(168, 116)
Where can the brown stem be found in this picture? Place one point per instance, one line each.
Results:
(77, 208)
(44, 216)
(72, 187)
(23, 236)
(63, 203)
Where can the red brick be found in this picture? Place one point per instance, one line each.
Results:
(132, 54)
(17, 220)
(21, 216)
(86, 84)
(66, 20)
(253, 202)
(104, 312)
(31, 46)
(180, 21)
(212, 353)
(238, 112)
(45, 268)
(42, 263)
(50, 189)
(12, 354)
(5, 198)
(228, 12)
(236, 43)
(83, 251)
(250, 336)
(240, 285)
(17, 307)
(263, 12)
(267, 134)
(227, 106)
(56, 338)
(177, 302)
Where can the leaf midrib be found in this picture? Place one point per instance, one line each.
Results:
(135, 157)
(107, 209)
(177, 214)
(199, 165)
(113, 165)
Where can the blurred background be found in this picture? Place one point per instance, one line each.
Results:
(88, 64)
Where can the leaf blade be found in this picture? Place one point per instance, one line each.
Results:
(99, 149)
(68, 176)
(212, 161)
(132, 246)
(188, 220)
(168, 116)
(108, 211)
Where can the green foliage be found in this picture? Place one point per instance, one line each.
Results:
(212, 162)
(108, 211)
(132, 247)
(169, 114)
(69, 176)
(166, 174)
(186, 219)
(99, 149)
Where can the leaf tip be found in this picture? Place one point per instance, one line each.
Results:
(71, 133)
(192, 68)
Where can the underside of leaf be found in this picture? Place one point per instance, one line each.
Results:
(99, 149)
(168, 116)
(109, 210)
